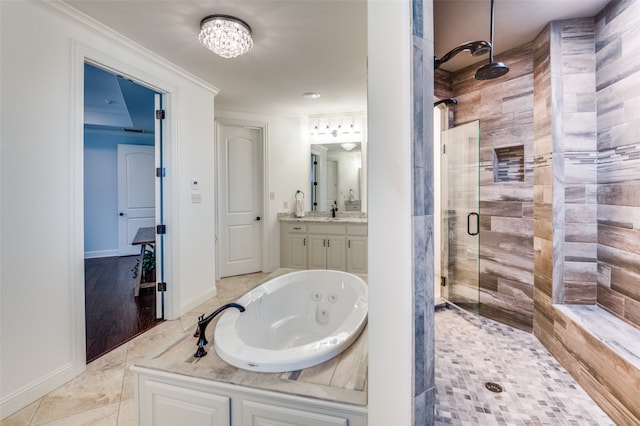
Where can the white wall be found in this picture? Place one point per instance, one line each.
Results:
(391, 332)
(41, 216)
(42, 198)
(288, 171)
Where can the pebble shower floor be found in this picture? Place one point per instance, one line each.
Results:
(536, 390)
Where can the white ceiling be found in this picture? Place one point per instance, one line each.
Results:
(310, 45)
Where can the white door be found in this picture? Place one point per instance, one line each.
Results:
(136, 194)
(239, 151)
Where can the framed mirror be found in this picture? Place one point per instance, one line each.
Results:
(337, 178)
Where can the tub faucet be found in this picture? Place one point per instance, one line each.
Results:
(202, 327)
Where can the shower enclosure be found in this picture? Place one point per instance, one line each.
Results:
(460, 206)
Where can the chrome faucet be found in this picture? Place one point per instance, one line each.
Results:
(334, 209)
(202, 327)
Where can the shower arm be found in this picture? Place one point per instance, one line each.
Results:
(491, 32)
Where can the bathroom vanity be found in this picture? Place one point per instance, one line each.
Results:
(175, 388)
(320, 241)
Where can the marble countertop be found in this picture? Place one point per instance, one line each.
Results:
(325, 217)
(341, 379)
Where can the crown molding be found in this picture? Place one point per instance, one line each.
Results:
(75, 16)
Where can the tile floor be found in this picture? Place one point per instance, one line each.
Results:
(104, 394)
(469, 352)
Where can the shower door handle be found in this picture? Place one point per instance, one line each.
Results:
(469, 223)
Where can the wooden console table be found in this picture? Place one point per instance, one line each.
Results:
(144, 236)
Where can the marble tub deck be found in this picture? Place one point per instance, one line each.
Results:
(104, 394)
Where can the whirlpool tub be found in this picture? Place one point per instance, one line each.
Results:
(293, 321)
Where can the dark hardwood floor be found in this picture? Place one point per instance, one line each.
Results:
(113, 315)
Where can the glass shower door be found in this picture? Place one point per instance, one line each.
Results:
(460, 201)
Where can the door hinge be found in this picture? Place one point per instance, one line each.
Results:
(160, 114)
(444, 149)
(443, 281)
(161, 229)
(162, 286)
(161, 172)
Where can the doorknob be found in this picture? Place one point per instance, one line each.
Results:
(122, 214)
(258, 218)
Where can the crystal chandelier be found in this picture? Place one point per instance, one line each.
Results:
(225, 35)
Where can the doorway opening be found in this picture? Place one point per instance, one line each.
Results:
(121, 206)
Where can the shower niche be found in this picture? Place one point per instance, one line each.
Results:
(508, 164)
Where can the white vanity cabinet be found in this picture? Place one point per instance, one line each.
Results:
(164, 402)
(293, 245)
(314, 245)
(357, 252)
(173, 399)
(326, 247)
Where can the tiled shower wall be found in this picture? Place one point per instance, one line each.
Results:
(593, 205)
(504, 107)
(618, 100)
(565, 179)
(574, 156)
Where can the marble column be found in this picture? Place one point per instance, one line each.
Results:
(423, 202)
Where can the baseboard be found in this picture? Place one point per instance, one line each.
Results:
(197, 301)
(19, 399)
(100, 253)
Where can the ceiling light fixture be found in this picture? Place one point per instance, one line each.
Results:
(348, 145)
(225, 35)
(311, 95)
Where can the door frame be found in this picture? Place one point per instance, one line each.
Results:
(266, 218)
(84, 54)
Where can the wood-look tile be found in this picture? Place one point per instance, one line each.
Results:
(611, 300)
(625, 282)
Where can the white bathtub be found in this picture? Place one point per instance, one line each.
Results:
(293, 321)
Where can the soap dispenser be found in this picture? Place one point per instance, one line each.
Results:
(351, 196)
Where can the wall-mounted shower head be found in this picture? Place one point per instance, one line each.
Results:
(449, 101)
(475, 48)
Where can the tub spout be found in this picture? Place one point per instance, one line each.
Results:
(202, 327)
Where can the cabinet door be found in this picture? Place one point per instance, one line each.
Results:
(297, 251)
(163, 404)
(336, 252)
(357, 255)
(317, 252)
(258, 414)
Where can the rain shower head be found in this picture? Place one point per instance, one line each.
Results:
(491, 70)
(475, 48)
(449, 101)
